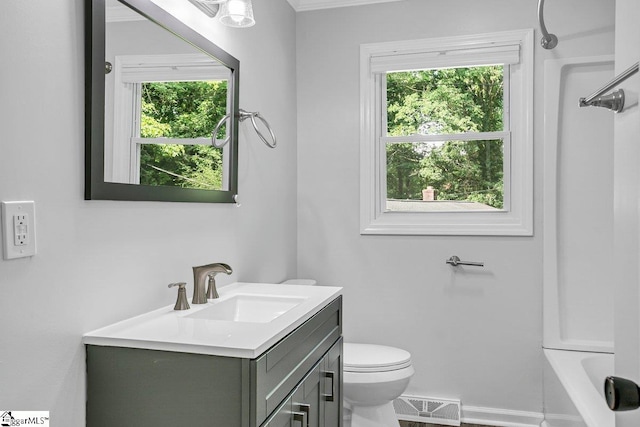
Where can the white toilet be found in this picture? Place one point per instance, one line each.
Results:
(373, 376)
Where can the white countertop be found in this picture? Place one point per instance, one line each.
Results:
(174, 330)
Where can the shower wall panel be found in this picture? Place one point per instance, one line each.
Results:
(578, 256)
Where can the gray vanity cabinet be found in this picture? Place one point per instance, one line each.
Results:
(151, 388)
(317, 400)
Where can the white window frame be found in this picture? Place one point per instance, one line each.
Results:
(122, 158)
(516, 219)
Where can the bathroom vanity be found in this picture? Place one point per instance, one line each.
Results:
(204, 367)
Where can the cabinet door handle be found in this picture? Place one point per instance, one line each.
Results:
(331, 375)
(306, 409)
(301, 417)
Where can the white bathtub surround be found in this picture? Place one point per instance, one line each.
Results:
(581, 375)
(578, 247)
(578, 208)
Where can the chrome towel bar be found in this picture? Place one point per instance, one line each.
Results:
(455, 261)
(615, 100)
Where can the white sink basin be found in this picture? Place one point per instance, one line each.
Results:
(248, 308)
(245, 321)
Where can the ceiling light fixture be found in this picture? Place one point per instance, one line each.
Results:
(237, 13)
(233, 13)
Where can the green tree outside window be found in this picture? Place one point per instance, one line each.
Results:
(446, 101)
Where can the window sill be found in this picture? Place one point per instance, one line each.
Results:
(497, 223)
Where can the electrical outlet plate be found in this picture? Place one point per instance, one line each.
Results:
(18, 229)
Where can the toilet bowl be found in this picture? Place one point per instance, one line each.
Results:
(373, 376)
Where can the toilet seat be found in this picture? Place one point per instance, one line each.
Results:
(365, 358)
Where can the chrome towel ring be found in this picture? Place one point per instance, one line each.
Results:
(214, 140)
(243, 116)
(253, 116)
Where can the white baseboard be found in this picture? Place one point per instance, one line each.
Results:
(500, 417)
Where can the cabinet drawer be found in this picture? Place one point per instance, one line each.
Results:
(279, 369)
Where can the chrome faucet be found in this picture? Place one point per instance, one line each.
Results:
(201, 275)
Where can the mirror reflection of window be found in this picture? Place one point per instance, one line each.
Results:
(184, 112)
(163, 100)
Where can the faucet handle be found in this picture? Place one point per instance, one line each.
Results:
(181, 303)
(212, 291)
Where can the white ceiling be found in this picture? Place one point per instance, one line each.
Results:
(302, 5)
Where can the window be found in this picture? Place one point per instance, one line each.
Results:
(166, 107)
(446, 136)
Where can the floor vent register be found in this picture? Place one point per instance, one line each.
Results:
(427, 410)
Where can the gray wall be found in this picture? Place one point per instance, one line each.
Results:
(475, 335)
(102, 261)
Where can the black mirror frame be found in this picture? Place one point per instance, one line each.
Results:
(95, 186)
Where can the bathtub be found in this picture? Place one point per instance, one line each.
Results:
(573, 389)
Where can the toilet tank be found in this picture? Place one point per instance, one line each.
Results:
(306, 282)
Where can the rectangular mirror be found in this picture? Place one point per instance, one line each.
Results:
(156, 91)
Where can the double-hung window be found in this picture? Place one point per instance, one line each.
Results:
(446, 136)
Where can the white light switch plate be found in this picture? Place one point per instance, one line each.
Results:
(18, 229)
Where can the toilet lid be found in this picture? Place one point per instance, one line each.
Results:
(374, 358)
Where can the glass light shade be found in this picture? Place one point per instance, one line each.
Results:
(237, 13)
